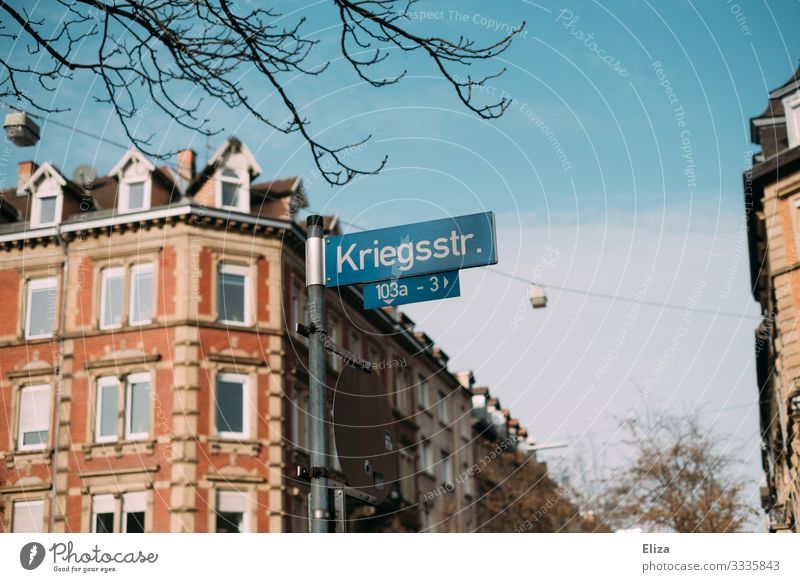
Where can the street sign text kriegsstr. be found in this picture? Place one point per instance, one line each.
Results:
(448, 244)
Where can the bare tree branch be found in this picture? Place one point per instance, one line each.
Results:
(148, 53)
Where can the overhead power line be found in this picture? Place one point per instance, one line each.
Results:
(606, 296)
(586, 292)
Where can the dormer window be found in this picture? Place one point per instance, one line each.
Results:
(46, 209)
(47, 196)
(233, 192)
(791, 107)
(134, 195)
(135, 175)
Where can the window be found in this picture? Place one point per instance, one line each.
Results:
(422, 391)
(231, 512)
(46, 209)
(41, 308)
(231, 415)
(446, 468)
(232, 192)
(426, 521)
(467, 480)
(141, 304)
(134, 195)
(230, 195)
(28, 516)
(141, 299)
(103, 514)
(112, 297)
(441, 407)
(355, 344)
(425, 457)
(107, 407)
(34, 417)
(407, 474)
(405, 392)
(791, 107)
(296, 428)
(232, 294)
(137, 406)
(133, 510)
(464, 423)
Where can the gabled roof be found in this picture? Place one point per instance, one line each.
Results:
(232, 143)
(774, 113)
(130, 154)
(789, 86)
(49, 169)
(7, 208)
(280, 188)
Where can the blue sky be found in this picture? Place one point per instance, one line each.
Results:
(640, 197)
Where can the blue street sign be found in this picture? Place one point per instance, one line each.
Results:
(435, 246)
(411, 290)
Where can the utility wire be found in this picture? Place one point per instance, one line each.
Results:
(598, 295)
(73, 128)
(490, 269)
(48, 120)
(625, 299)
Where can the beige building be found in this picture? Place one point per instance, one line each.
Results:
(772, 207)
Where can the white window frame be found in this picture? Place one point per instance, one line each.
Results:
(791, 108)
(37, 208)
(136, 269)
(446, 465)
(105, 500)
(124, 193)
(129, 382)
(104, 382)
(466, 483)
(422, 391)
(244, 380)
(464, 421)
(245, 513)
(16, 506)
(21, 426)
(425, 460)
(39, 285)
(106, 272)
(233, 269)
(137, 499)
(441, 405)
(244, 190)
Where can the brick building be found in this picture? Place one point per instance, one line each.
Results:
(149, 377)
(772, 206)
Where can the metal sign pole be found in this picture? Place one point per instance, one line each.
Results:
(315, 286)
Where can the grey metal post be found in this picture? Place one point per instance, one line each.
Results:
(315, 286)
